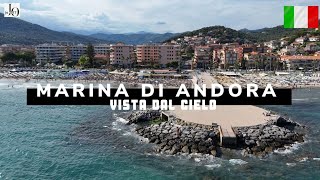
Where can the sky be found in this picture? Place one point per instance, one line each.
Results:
(158, 16)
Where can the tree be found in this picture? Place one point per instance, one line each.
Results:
(48, 60)
(314, 66)
(256, 63)
(122, 61)
(84, 60)
(90, 54)
(237, 65)
(243, 63)
(173, 64)
(26, 57)
(10, 56)
(127, 62)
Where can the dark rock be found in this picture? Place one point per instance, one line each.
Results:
(153, 139)
(212, 135)
(202, 149)
(167, 147)
(157, 141)
(194, 151)
(162, 145)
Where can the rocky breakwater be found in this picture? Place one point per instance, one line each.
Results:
(265, 138)
(174, 136)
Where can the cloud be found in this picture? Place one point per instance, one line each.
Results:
(161, 23)
(153, 15)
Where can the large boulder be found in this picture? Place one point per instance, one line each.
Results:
(185, 149)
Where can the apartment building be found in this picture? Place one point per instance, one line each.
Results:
(158, 54)
(226, 57)
(121, 54)
(50, 53)
(202, 56)
(102, 49)
(76, 51)
(148, 54)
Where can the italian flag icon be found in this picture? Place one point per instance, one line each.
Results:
(301, 16)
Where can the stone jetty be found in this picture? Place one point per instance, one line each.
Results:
(177, 136)
(262, 139)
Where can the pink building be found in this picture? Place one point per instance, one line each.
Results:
(202, 56)
(158, 54)
(226, 57)
(121, 54)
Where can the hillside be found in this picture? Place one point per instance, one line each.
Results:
(261, 35)
(136, 38)
(224, 34)
(267, 34)
(17, 31)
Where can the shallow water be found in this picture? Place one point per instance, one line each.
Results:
(81, 142)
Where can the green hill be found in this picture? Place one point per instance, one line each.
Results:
(224, 34)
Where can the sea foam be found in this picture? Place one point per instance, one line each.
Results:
(237, 162)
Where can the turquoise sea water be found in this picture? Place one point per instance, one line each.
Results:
(82, 142)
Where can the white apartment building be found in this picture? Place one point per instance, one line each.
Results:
(50, 53)
(76, 51)
(102, 49)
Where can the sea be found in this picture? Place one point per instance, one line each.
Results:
(93, 142)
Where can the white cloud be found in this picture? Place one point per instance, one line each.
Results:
(121, 16)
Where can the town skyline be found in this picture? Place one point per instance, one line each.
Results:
(155, 16)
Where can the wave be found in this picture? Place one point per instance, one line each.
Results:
(302, 99)
(316, 159)
(291, 164)
(121, 120)
(304, 159)
(119, 123)
(237, 162)
(212, 166)
(136, 136)
(288, 149)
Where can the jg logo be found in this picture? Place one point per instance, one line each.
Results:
(12, 10)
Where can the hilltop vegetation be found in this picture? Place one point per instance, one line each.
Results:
(224, 34)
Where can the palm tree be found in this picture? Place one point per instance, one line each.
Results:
(122, 60)
(236, 66)
(127, 60)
